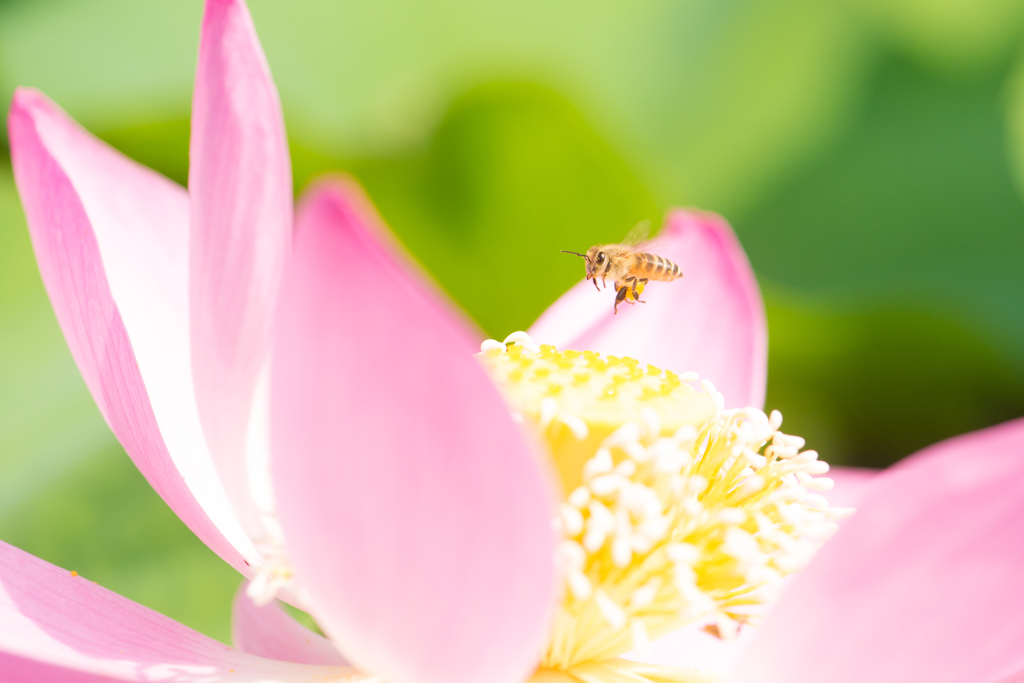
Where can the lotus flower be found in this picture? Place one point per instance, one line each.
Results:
(312, 410)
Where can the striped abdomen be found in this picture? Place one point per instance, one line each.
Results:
(654, 267)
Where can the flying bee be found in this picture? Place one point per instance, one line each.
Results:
(629, 268)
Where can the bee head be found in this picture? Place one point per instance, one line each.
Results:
(588, 257)
(596, 260)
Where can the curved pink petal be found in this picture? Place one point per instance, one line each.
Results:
(241, 224)
(59, 628)
(268, 632)
(414, 511)
(711, 321)
(922, 584)
(111, 241)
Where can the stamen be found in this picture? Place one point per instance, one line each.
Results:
(273, 576)
(676, 510)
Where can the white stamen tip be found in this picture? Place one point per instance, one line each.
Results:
(816, 467)
(605, 485)
(548, 408)
(572, 520)
(641, 639)
(732, 516)
(577, 426)
(601, 463)
(571, 556)
(612, 613)
(580, 586)
(815, 501)
(580, 497)
(491, 345)
(645, 594)
(685, 435)
(520, 338)
(820, 484)
(682, 553)
(652, 423)
(751, 485)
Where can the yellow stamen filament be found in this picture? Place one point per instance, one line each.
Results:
(674, 510)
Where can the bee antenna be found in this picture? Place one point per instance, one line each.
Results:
(575, 253)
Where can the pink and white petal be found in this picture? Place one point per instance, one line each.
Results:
(266, 631)
(851, 485)
(240, 192)
(922, 584)
(111, 241)
(56, 627)
(712, 321)
(416, 515)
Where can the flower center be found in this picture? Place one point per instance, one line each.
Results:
(675, 511)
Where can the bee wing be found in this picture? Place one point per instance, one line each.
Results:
(638, 234)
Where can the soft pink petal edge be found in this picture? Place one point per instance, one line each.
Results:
(110, 238)
(851, 485)
(923, 583)
(56, 627)
(266, 631)
(240, 191)
(712, 321)
(417, 517)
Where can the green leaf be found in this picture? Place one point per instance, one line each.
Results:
(902, 249)
(707, 100)
(868, 385)
(513, 175)
(954, 36)
(1015, 121)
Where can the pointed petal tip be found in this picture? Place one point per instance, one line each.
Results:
(678, 218)
(241, 208)
(29, 103)
(346, 201)
(400, 452)
(24, 98)
(712, 321)
(339, 190)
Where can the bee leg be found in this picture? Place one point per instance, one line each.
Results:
(638, 287)
(595, 285)
(620, 297)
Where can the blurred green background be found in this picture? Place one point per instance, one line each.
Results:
(870, 154)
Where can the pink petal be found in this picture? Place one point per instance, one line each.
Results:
(711, 321)
(268, 632)
(111, 240)
(922, 584)
(241, 215)
(415, 513)
(852, 484)
(59, 628)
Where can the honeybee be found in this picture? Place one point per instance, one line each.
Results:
(629, 268)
